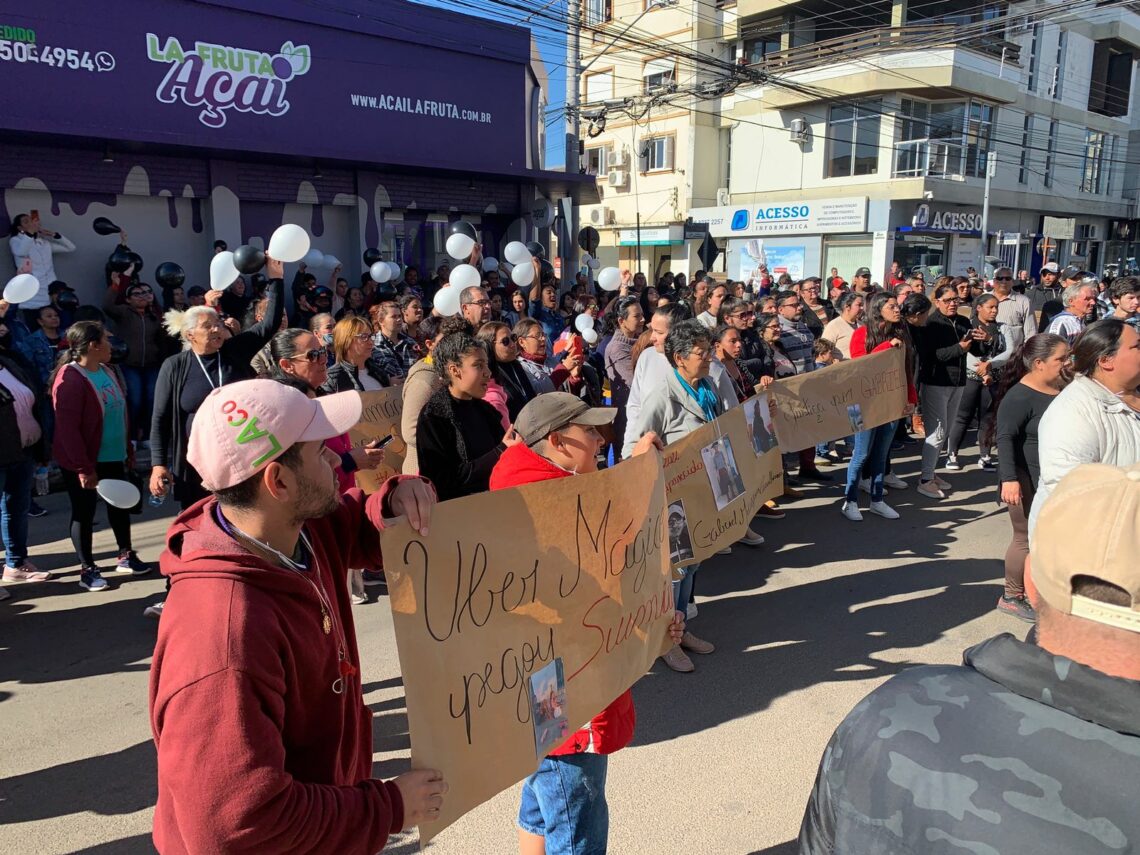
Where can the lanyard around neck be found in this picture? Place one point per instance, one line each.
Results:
(209, 380)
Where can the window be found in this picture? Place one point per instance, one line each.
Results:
(979, 127)
(598, 12)
(1095, 167)
(1026, 137)
(1059, 71)
(1110, 83)
(598, 160)
(657, 154)
(943, 138)
(1050, 153)
(1034, 58)
(853, 139)
(658, 73)
(599, 87)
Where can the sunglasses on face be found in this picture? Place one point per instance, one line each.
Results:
(1003, 279)
(744, 314)
(509, 340)
(314, 355)
(949, 300)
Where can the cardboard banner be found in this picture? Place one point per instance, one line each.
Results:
(521, 616)
(717, 477)
(380, 419)
(840, 400)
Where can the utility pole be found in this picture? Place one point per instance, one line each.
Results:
(567, 246)
(991, 168)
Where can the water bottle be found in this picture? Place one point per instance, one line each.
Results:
(158, 501)
(41, 485)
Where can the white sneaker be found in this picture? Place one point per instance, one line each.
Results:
(154, 611)
(690, 611)
(358, 599)
(884, 510)
(930, 489)
(894, 482)
(851, 511)
(865, 486)
(751, 538)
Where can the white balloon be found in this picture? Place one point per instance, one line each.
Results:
(119, 494)
(21, 287)
(490, 264)
(331, 261)
(464, 276)
(288, 243)
(583, 323)
(610, 279)
(590, 336)
(446, 301)
(380, 272)
(516, 252)
(523, 273)
(593, 263)
(459, 246)
(394, 266)
(222, 271)
(314, 258)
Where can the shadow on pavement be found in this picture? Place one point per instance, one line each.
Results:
(127, 846)
(788, 847)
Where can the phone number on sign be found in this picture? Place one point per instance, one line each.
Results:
(55, 57)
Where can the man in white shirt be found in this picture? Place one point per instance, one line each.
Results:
(1014, 310)
(1078, 299)
(31, 242)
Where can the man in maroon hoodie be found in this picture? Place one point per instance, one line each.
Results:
(563, 809)
(264, 742)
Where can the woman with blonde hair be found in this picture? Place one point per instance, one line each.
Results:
(354, 369)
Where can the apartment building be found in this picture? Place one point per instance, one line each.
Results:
(868, 141)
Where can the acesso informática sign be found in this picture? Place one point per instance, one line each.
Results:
(800, 216)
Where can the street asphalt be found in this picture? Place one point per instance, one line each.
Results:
(722, 761)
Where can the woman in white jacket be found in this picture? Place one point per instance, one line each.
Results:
(30, 242)
(1096, 419)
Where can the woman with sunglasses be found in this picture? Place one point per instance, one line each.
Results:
(942, 345)
(355, 369)
(510, 387)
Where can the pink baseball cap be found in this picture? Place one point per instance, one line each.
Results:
(242, 427)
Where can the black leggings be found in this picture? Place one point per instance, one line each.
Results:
(977, 403)
(83, 504)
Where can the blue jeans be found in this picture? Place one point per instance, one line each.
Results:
(565, 803)
(874, 447)
(140, 399)
(15, 497)
(683, 587)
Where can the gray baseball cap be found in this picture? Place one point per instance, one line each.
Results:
(555, 410)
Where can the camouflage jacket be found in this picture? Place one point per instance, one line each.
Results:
(1018, 752)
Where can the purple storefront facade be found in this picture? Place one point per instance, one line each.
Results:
(370, 124)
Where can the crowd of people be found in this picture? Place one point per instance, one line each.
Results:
(512, 388)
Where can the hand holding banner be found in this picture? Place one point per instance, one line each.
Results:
(380, 420)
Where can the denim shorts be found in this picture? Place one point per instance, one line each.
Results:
(565, 802)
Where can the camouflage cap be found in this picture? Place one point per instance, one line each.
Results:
(1108, 501)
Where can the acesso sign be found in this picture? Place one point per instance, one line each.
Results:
(802, 216)
(928, 219)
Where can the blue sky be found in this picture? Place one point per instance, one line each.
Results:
(552, 45)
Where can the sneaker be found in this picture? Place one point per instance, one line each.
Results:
(897, 445)
(678, 661)
(767, 513)
(373, 578)
(1018, 607)
(942, 483)
(930, 489)
(884, 510)
(91, 580)
(751, 538)
(129, 562)
(358, 599)
(726, 551)
(154, 611)
(814, 474)
(696, 645)
(851, 511)
(35, 511)
(865, 486)
(952, 463)
(986, 463)
(26, 572)
(829, 457)
(894, 482)
(690, 611)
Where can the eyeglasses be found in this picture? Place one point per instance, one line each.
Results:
(949, 300)
(743, 315)
(535, 336)
(479, 303)
(1003, 279)
(363, 336)
(509, 340)
(313, 355)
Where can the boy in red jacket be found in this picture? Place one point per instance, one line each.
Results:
(264, 742)
(563, 809)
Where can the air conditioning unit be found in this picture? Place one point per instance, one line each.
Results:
(799, 129)
(619, 157)
(618, 178)
(600, 215)
(722, 196)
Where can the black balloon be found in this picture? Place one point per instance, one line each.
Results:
(104, 227)
(248, 259)
(371, 256)
(462, 227)
(385, 293)
(136, 260)
(169, 275)
(547, 268)
(588, 239)
(536, 249)
(120, 259)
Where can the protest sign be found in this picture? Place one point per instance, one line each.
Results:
(716, 478)
(380, 419)
(571, 571)
(839, 400)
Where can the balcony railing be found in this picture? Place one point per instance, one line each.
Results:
(928, 159)
(912, 37)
